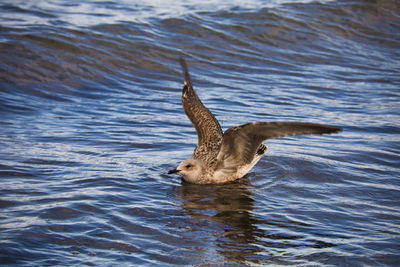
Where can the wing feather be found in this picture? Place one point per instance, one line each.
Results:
(208, 130)
(240, 144)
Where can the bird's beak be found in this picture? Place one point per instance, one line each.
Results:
(173, 171)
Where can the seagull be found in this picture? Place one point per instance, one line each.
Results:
(222, 157)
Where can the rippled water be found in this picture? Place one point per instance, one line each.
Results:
(91, 121)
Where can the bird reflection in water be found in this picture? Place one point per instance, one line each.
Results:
(230, 206)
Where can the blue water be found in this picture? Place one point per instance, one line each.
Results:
(91, 121)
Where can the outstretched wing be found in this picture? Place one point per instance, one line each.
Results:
(239, 144)
(208, 130)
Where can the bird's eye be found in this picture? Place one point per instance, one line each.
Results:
(188, 166)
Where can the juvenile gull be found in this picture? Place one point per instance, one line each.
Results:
(223, 157)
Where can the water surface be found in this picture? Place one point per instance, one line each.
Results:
(91, 121)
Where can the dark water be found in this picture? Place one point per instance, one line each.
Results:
(91, 120)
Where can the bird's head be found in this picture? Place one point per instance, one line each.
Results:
(190, 169)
